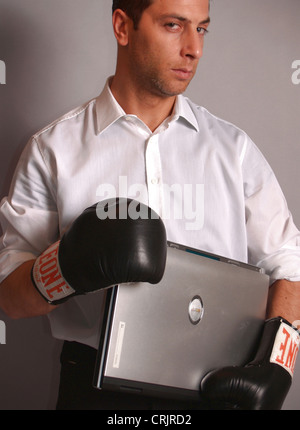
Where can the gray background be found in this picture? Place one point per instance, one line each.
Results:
(58, 54)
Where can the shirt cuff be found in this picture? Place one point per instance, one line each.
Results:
(10, 261)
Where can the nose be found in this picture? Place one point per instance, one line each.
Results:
(192, 44)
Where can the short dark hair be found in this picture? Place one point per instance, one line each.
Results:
(133, 8)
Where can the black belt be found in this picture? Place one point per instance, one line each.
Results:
(78, 353)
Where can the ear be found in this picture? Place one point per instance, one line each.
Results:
(121, 23)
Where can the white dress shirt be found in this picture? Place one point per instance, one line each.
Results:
(204, 176)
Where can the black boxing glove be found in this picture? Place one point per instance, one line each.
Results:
(263, 383)
(115, 241)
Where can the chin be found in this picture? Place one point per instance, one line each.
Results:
(171, 91)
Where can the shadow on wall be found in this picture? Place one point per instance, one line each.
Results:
(29, 366)
(46, 57)
(29, 360)
(20, 39)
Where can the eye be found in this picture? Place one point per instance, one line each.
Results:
(202, 30)
(172, 26)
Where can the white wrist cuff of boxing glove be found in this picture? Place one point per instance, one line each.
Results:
(286, 347)
(48, 278)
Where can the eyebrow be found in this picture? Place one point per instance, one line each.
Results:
(206, 21)
(183, 19)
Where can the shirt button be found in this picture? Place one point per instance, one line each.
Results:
(154, 181)
(130, 119)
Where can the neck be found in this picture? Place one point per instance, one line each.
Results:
(152, 109)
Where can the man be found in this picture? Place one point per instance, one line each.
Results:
(141, 134)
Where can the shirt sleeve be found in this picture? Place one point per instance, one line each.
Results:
(28, 215)
(273, 238)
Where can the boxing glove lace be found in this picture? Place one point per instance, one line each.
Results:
(115, 241)
(263, 383)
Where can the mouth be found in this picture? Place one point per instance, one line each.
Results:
(183, 74)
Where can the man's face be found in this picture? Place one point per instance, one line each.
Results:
(164, 51)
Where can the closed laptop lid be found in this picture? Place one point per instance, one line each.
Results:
(160, 340)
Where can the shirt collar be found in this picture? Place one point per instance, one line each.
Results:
(109, 111)
(182, 109)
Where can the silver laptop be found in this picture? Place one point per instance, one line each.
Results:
(160, 340)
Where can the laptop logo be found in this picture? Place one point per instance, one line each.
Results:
(196, 310)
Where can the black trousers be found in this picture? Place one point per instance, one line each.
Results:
(76, 391)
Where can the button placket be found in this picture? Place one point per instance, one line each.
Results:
(154, 174)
